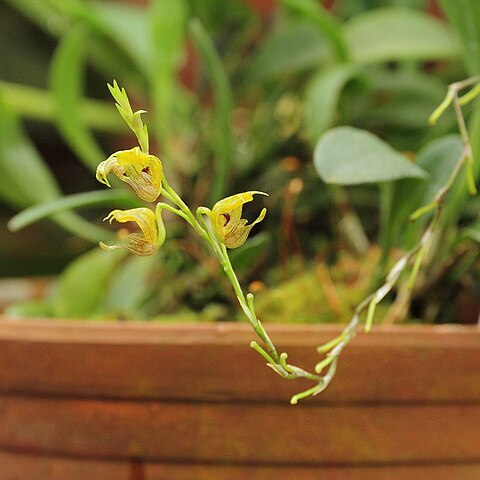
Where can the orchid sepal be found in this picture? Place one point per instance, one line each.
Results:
(226, 216)
(150, 224)
(142, 171)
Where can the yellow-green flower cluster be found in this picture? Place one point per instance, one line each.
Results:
(144, 174)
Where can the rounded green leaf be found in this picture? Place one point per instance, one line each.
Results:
(349, 156)
(389, 34)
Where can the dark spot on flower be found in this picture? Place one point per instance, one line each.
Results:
(226, 216)
(146, 170)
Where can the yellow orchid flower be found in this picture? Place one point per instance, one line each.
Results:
(228, 224)
(151, 226)
(143, 172)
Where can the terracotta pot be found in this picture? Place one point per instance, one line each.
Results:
(143, 401)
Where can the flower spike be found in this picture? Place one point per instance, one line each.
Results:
(151, 226)
(143, 172)
(228, 224)
(132, 119)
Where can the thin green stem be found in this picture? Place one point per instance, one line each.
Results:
(332, 343)
(439, 111)
(220, 250)
(174, 210)
(169, 193)
(245, 305)
(255, 346)
(324, 363)
(423, 210)
(370, 315)
(471, 95)
(452, 92)
(416, 267)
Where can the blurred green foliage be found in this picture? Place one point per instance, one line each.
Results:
(238, 101)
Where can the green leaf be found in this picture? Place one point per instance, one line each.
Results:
(322, 96)
(472, 233)
(38, 103)
(459, 195)
(397, 103)
(220, 86)
(392, 34)
(127, 26)
(29, 308)
(116, 197)
(82, 286)
(43, 13)
(66, 81)
(167, 36)
(115, 55)
(349, 156)
(130, 286)
(437, 158)
(26, 180)
(465, 16)
(295, 47)
(324, 22)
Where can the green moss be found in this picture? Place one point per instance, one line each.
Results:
(321, 293)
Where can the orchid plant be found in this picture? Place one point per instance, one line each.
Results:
(221, 227)
(314, 87)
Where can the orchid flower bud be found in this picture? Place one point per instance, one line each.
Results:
(228, 224)
(143, 172)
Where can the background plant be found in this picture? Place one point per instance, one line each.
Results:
(265, 90)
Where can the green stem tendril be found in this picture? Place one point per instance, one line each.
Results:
(332, 343)
(324, 363)
(307, 393)
(261, 351)
(370, 313)
(174, 210)
(471, 95)
(416, 267)
(423, 210)
(440, 110)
